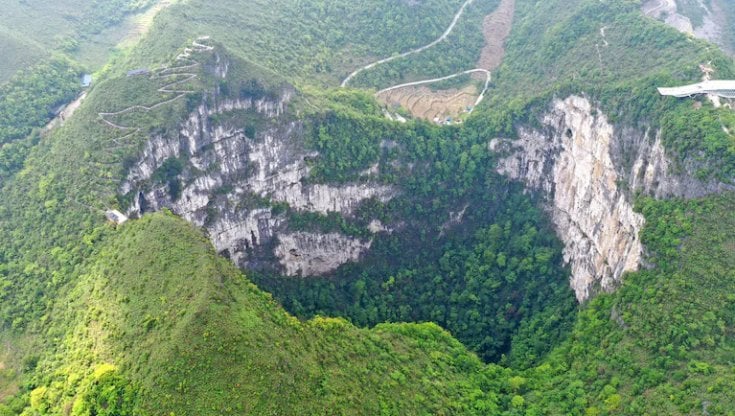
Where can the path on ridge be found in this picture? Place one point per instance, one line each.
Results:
(162, 73)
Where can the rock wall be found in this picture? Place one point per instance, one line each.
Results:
(230, 181)
(712, 27)
(588, 171)
(308, 254)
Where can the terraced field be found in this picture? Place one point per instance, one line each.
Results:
(426, 104)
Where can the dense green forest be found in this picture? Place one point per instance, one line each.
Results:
(663, 344)
(155, 292)
(146, 318)
(31, 98)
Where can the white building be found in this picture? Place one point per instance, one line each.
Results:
(720, 88)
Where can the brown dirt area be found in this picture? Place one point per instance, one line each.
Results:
(496, 29)
(424, 103)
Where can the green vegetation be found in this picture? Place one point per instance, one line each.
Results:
(323, 41)
(30, 99)
(146, 319)
(663, 344)
(155, 292)
(106, 13)
(706, 132)
(571, 57)
(48, 54)
(459, 52)
(500, 291)
(70, 27)
(488, 275)
(18, 53)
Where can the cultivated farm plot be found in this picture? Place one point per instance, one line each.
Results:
(426, 104)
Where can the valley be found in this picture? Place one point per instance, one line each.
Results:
(449, 207)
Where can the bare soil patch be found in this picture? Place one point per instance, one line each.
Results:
(496, 29)
(438, 106)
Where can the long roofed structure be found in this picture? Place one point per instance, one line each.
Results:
(721, 88)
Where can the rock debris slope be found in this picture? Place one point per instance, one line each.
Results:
(711, 26)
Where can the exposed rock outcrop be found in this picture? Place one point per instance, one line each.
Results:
(711, 20)
(589, 171)
(228, 176)
(307, 254)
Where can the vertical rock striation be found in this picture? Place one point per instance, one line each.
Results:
(230, 176)
(309, 254)
(588, 171)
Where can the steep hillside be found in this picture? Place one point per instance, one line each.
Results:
(158, 324)
(663, 344)
(83, 30)
(327, 40)
(231, 145)
(708, 20)
(19, 53)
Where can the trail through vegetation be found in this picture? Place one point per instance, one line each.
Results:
(163, 73)
(496, 29)
(413, 51)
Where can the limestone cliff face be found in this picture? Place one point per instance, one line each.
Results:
(308, 254)
(588, 171)
(230, 176)
(711, 22)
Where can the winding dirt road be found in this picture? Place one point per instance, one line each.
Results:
(162, 73)
(441, 38)
(499, 18)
